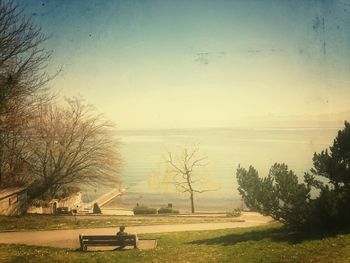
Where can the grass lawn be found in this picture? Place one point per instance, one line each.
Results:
(260, 244)
(46, 222)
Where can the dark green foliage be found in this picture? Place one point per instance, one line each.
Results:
(278, 195)
(144, 210)
(281, 196)
(167, 210)
(249, 185)
(335, 164)
(330, 211)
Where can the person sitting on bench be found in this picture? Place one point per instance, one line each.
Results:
(122, 232)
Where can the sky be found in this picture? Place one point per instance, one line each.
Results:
(194, 64)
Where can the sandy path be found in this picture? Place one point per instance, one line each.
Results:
(69, 238)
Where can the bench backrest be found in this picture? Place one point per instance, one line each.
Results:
(90, 237)
(128, 238)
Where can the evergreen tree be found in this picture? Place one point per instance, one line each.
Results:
(335, 163)
(281, 196)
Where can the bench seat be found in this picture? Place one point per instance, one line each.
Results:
(106, 240)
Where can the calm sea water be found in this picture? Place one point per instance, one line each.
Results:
(143, 152)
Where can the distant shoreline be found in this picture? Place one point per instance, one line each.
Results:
(203, 204)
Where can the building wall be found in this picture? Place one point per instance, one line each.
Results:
(39, 210)
(14, 204)
(72, 202)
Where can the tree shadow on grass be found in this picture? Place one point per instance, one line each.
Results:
(274, 234)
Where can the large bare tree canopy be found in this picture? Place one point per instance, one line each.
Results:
(72, 146)
(23, 61)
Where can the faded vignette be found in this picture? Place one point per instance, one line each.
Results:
(175, 103)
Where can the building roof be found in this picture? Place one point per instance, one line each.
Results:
(6, 192)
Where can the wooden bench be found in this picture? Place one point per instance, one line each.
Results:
(107, 240)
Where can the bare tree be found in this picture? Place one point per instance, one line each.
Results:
(13, 151)
(23, 61)
(184, 172)
(71, 146)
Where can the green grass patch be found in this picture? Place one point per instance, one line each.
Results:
(47, 222)
(260, 244)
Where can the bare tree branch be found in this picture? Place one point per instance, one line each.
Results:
(23, 61)
(182, 170)
(73, 147)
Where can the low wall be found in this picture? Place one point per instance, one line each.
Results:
(39, 210)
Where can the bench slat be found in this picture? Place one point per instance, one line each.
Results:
(108, 237)
(106, 242)
(102, 238)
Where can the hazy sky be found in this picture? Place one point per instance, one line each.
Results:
(176, 64)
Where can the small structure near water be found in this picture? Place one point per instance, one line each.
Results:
(74, 202)
(66, 205)
(13, 201)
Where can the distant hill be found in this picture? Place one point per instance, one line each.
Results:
(324, 120)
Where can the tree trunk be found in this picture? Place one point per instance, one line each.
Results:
(192, 203)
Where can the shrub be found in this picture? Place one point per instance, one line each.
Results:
(144, 210)
(234, 213)
(330, 211)
(167, 210)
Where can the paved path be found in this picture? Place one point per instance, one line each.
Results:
(69, 238)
